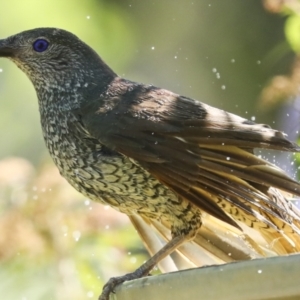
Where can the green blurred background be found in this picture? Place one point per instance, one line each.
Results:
(54, 244)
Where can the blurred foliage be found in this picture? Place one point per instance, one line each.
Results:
(53, 245)
(292, 30)
(284, 87)
(56, 245)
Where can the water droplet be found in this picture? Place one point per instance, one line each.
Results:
(133, 260)
(233, 61)
(76, 235)
(90, 294)
(259, 271)
(223, 87)
(253, 118)
(152, 48)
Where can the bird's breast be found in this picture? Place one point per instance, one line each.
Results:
(90, 166)
(110, 177)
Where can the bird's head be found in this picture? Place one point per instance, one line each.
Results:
(51, 56)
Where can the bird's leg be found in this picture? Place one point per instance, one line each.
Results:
(145, 268)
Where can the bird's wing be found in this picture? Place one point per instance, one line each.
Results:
(202, 153)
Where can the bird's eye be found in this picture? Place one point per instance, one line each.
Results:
(40, 45)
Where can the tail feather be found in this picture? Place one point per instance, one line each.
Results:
(216, 243)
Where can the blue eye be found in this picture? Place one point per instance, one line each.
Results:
(40, 45)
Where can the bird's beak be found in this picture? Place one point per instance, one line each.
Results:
(5, 50)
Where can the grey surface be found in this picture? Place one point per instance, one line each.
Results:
(260, 279)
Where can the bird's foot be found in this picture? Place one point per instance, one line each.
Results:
(144, 269)
(110, 286)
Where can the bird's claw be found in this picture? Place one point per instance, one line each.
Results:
(113, 282)
(109, 287)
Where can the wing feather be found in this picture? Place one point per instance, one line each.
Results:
(202, 153)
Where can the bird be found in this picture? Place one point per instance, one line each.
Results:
(184, 172)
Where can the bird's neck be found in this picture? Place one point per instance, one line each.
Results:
(74, 91)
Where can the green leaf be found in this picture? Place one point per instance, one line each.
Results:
(292, 32)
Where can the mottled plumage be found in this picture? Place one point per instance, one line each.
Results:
(153, 154)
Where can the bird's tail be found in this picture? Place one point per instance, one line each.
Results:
(216, 243)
